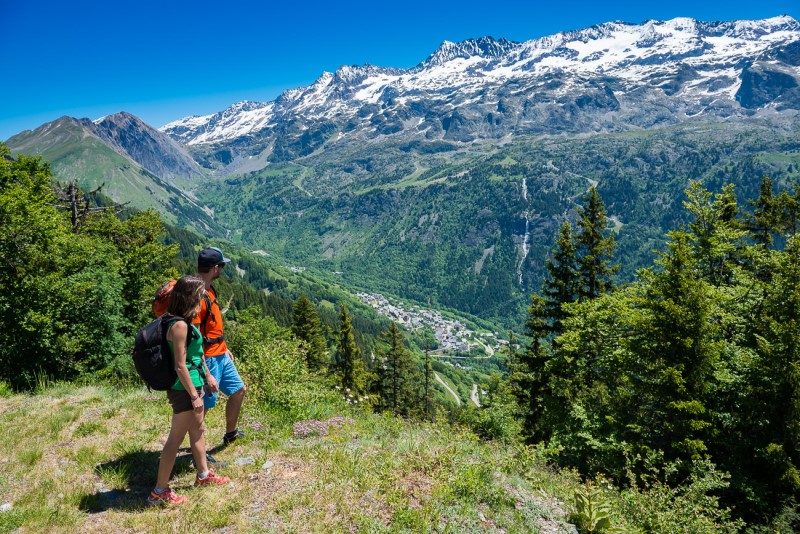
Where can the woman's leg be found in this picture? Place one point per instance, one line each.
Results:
(180, 425)
(197, 440)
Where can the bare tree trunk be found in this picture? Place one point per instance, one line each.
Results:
(73, 204)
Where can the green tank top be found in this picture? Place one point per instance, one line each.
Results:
(194, 358)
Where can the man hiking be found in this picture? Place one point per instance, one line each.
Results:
(186, 393)
(219, 359)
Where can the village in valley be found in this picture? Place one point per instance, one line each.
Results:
(454, 338)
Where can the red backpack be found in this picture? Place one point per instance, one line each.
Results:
(162, 298)
(161, 305)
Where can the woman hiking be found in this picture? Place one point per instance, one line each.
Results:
(186, 395)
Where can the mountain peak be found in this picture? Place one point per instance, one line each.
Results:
(121, 117)
(486, 47)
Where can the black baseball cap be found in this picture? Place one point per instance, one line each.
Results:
(211, 256)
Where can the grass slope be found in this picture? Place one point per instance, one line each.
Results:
(83, 459)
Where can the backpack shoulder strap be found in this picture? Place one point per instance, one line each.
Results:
(167, 321)
(207, 314)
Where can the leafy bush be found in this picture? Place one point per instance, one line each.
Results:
(690, 507)
(496, 418)
(272, 364)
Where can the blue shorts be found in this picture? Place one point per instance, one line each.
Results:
(223, 369)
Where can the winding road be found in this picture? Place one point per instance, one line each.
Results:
(448, 388)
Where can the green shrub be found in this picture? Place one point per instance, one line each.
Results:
(76, 291)
(495, 419)
(272, 364)
(690, 507)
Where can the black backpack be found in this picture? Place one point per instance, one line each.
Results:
(152, 356)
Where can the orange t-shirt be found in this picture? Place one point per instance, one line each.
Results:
(214, 327)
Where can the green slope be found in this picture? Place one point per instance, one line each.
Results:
(75, 154)
(85, 458)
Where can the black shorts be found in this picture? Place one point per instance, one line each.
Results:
(181, 401)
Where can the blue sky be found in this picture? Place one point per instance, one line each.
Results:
(166, 59)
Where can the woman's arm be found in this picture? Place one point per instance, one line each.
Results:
(177, 335)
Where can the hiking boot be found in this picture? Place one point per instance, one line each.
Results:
(212, 479)
(232, 436)
(166, 497)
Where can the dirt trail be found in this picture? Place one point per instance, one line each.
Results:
(473, 396)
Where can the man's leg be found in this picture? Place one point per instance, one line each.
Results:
(231, 384)
(210, 399)
(233, 408)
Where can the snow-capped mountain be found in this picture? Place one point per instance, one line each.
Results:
(607, 77)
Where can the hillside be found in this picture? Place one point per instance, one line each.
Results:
(469, 228)
(83, 459)
(88, 455)
(136, 164)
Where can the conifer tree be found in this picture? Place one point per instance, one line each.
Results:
(427, 389)
(787, 208)
(562, 283)
(595, 248)
(528, 374)
(396, 374)
(716, 232)
(773, 425)
(682, 344)
(349, 365)
(306, 326)
(764, 219)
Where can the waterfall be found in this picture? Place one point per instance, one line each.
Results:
(526, 239)
(525, 247)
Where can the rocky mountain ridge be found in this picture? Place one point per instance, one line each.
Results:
(152, 149)
(132, 161)
(609, 77)
(126, 134)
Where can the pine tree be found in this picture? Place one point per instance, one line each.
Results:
(349, 365)
(774, 387)
(396, 374)
(528, 374)
(716, 232)
(683, 349)
(306, 326)
(562, 283)
(427, 390)
(595, 248)
(787, 208)
(764, 219)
